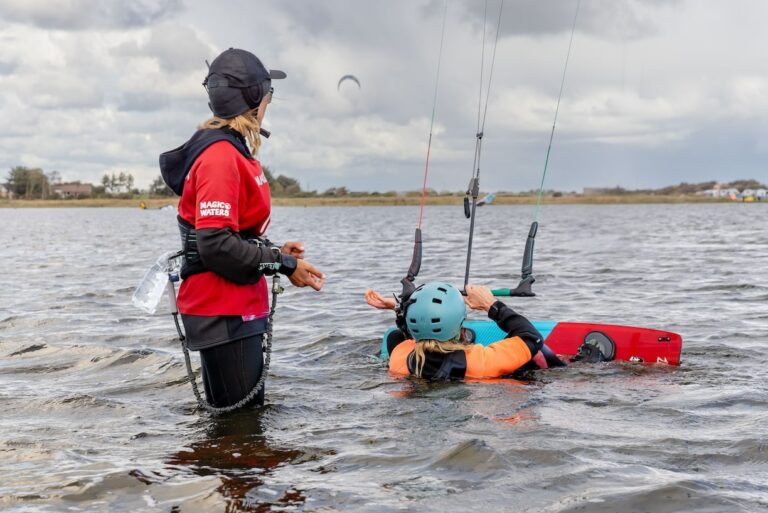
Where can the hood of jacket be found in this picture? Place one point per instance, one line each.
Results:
(175, 164)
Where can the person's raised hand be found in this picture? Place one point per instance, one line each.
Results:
(294, 248)
(479, 297)
(376, 300)
(307, 274)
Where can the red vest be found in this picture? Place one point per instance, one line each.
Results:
(225, 190)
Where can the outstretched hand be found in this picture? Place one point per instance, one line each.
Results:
(376, 300)
(479, 297)
(307, 274)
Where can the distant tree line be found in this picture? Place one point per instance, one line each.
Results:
(30, 183)
(282, 185)
(33, 183)
(158, 188)
(118, 184)
(683, 188)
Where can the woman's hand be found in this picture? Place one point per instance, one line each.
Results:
(479, 297)
(376, 300)
(307, 274)
(294, 248)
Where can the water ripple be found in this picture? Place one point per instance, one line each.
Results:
(98, 414)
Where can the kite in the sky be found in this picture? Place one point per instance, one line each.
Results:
(347, 77)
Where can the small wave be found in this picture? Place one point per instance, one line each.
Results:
(473, 457)
(81, 401)
(131, 356)
(50, 402)
(372, 384)
(752, 450)
(87, 295)
(86, 489)
(689, 495)
(177, 382)
(540, 456)
(725, 287)
(39, 369)
(130, 320)
(421, 488)
(28, 349)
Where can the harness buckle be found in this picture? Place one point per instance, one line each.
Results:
(276, 287)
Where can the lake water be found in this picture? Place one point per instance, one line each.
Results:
(97, 414)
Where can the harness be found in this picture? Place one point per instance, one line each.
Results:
(440, 366)
(266, 345)
(192, 263)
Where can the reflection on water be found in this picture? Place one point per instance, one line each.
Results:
(236, 449)
(98, 416)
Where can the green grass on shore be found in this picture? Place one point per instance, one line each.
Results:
(348, 201)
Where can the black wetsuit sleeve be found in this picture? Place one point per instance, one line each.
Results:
(225, 253)
(394, 339)
(516, 325)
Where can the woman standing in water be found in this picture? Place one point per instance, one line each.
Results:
(224, 212)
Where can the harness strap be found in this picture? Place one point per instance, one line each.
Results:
(192, 263)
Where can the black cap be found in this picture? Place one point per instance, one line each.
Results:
(237, 81)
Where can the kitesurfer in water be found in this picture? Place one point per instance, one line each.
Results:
(437, 347)
(224, 212)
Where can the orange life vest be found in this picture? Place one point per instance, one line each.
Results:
(492, 361)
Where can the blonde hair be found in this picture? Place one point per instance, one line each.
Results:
(246, 123)
(434, 346)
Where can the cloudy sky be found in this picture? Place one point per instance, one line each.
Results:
(657, 91)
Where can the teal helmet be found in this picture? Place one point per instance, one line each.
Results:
(435, 311)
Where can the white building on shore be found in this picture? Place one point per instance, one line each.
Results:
(730, 192)
(735, 194)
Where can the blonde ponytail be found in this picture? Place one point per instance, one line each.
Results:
(246, 123)
(433, 346)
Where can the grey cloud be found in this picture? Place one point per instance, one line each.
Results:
(177, 48)
(86, 144)
(143, 101)
(57, 92)
(612, 19)
(128, 49)
(7, 68)
(88, 14)
(366, 23)
(68, 100)
(315, 16)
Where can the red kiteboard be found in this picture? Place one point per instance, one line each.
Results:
(632, 344)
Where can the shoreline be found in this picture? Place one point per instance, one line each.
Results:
(378, 201)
